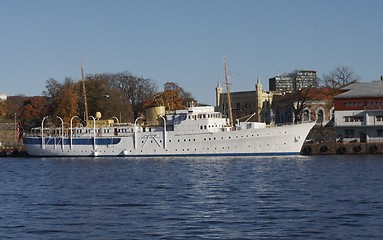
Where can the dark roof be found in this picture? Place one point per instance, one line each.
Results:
(362, 90)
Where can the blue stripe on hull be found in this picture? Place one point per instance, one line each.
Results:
(75, 141)
(214, 154)
(185, 155)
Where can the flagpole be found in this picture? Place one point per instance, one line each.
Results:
(15, 130)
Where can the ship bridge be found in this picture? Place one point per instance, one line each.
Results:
(197, 120)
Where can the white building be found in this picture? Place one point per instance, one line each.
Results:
(359, 112)
(3, 96)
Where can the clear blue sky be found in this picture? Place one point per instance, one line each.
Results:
(185, 41)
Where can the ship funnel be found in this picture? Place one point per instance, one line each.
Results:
(152, 114)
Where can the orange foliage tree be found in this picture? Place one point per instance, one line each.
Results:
(32, 111)
(168, 98)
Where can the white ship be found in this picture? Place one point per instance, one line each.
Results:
(196, 131)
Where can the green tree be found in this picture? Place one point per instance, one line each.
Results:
(105, 97)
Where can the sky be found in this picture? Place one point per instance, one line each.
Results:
(185, 41)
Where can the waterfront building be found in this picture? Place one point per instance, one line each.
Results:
(358, 113)
(272, 107)
(246, 103)
(317, 107)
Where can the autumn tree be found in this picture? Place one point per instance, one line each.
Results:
(32, 111)
(135, 89)
(105, 97)
(185, 97)
(62, 99)
(66, 101)
(13, 104)
(168, 98)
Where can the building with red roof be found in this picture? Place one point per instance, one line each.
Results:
(358, 115)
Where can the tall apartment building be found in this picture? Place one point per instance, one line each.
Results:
(293, 81)
(281, 83)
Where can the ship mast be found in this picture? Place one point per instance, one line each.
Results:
(228, 94)
(84, 93)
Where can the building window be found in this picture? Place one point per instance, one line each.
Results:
(379, 118)
(349, 133)
(306, 115)
(320, 115)
(353, 119)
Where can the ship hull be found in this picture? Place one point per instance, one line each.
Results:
(283, 140)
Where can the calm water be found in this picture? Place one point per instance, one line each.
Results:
(337, 197)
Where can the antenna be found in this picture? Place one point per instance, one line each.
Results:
(228, 94)
(84, 92)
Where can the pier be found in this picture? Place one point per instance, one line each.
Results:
(331, 148)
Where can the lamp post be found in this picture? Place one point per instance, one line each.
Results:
(62, 132)
(164, 133)
(94, 132)
(15, 130)
(116, 119)
(135, 132)
(42, 132)
(71, 129)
